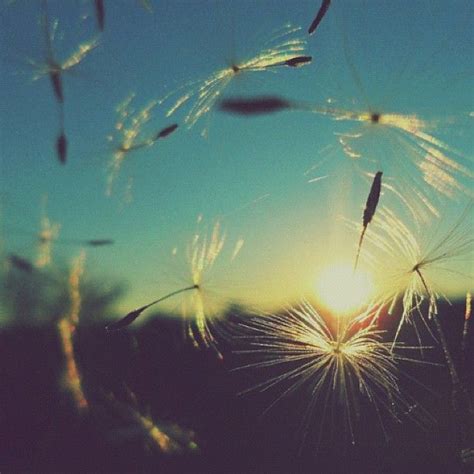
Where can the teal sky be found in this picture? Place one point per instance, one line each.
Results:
(406, 57)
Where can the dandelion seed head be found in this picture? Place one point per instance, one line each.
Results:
(408, 267)
(338, 368)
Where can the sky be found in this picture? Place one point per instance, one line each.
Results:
(258, 176)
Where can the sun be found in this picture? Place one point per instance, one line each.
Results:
(342, 290)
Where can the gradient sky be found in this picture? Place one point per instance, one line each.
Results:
(411, 57)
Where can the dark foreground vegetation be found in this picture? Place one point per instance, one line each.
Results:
(191, 395)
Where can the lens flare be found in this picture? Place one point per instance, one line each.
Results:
(341, 289)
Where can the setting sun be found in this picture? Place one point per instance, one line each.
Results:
(341, 289)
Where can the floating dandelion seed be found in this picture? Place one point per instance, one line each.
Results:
(340, 369)
(282, 50)
(49, 234)
(408, 270)
(129, 129)
(201, 255)
(396, 143)
(54, 68)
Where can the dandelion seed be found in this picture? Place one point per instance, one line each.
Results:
(429, 164)
(282, 51)
(370, 208)
(53, 67)
(129, 129)
(339, 369)
(319, 16)
(408, 269)
(201, 255)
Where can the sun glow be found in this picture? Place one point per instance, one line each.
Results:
(341, 289)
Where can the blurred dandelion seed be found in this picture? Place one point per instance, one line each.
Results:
(49, 232)
(52, 67)
(20, 263)
(284, 49)
(66, 328)
(200, 255)
(339, 368)
(128, 138)
(164, 438)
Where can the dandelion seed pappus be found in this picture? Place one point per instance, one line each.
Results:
(414, 266)
(381, 123)
(286, 48)
(344, 375)
(200, 316)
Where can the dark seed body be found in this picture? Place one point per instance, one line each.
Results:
(100, 13)
(167, 131)
(319, 16)
(254, 106)
(299, 61)
(61, 148)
